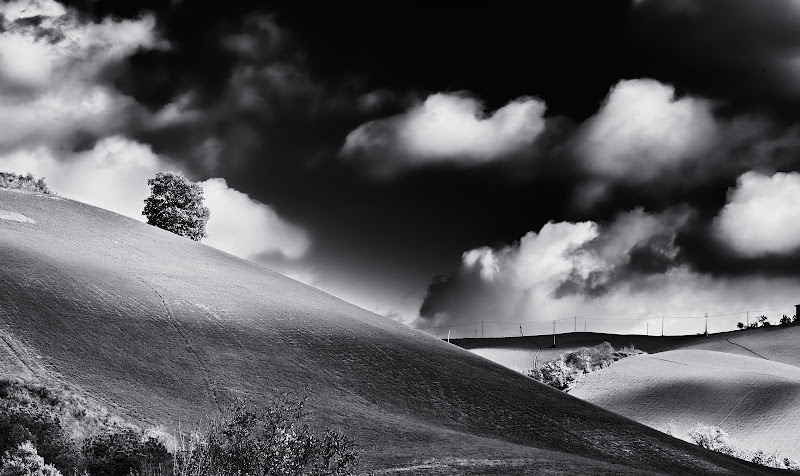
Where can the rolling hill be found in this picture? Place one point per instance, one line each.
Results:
(755, 400)
(166, 331)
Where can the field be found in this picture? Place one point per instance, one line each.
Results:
(166, 331)
(755, 400)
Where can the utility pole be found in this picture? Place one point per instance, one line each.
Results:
(584, 326)
(554, 333)
(662, 325)
(481, 329)
(448, 336)
(706, 324)
(576, 323)
(476, 333)
(648, 329)
(748, 318)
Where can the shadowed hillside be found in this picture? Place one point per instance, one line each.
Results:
(168, 330)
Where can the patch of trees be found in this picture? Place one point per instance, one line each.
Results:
(24, 182)
(565, 371)
(762, 321)
(716, 439)
(175, 204)
(244, 440)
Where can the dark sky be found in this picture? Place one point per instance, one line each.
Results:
(345, 118)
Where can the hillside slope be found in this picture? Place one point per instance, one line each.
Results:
(168, 330)
(755, 400)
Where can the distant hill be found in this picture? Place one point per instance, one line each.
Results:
(755, 400)
(166, 330)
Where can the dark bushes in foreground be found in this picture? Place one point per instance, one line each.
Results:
(276, 440)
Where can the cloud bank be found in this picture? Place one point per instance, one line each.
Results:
(448, 128)
(627, 269)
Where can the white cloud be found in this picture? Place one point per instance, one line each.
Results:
(762, 215)
(245, 227)
(448, 127)
(114, 173)
(62, 47)
(49, 91)
(526, 282)
(643, 130)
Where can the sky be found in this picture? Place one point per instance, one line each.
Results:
(441, 164)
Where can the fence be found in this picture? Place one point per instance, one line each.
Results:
(655, 326)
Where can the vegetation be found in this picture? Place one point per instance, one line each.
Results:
(175, 204)
(273, 441)
(25, 461)
(563, 372)
(716, 439)
(245, 441)
(763, 322)
(23, 182)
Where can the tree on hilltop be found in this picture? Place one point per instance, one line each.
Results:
(176, 204)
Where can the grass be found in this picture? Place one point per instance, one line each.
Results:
(754, 400)
(166, 331)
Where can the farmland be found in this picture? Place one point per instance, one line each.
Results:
(165, 331)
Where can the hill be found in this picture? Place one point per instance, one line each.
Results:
(776, 343)
(166, 330)
(519, 353)
(753, 399)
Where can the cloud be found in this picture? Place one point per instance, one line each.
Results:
(644, 130)
(629, 268)
(448, 128)
(761, 216)
(114, 173)
(60, 46)
(245, 227)
(51, 61)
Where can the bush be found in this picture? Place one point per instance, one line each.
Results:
(785, 320)
(24, 461)
(713, 438)
(276, 441)
(716, 439)
(125, 452)
(23, 182)
(175, 204)
(20, 424)
(564, 371)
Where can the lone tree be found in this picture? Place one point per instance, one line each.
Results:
(176, 204)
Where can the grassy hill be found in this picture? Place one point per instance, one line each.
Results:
(776, 343)
(753, 399)
(165, 330)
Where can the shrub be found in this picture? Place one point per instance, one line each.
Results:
(564, 371)
(23, 182)
(712, 438)
(25, 461)
(740, 325)
(762, 320)
(276, 441)
(19, 423)
(785, 320)
(176, 205)
(124, 452)
(716, 439)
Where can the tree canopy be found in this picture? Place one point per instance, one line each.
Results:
(176, 204)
